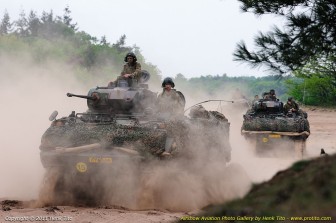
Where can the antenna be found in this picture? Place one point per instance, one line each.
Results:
(205, 102)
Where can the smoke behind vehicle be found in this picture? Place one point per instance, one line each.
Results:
(30, 94)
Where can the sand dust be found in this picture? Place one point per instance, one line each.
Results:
(323, 128)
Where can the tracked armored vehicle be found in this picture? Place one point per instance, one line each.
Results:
(268, 128)
(121, 128)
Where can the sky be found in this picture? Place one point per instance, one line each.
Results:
(191, 37)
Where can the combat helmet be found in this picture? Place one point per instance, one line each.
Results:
(130, 54)
(168, 80)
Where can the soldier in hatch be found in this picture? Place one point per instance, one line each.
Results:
(131, 70)
(266, 95)
(170, 101)
(255, 100)
(269, 95)
(272, 95)
(291, 106)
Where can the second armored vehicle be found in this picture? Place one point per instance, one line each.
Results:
(267, 127)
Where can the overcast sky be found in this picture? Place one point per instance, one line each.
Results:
(192, 37)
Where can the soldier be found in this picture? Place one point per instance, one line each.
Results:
(272, 95)
(265, 95)
(255, 101)
(291, 106)
(132, 69)
(170, 101)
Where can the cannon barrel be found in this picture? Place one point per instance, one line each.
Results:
(82, 96)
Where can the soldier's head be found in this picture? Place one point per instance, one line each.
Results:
(130, 58)
(272, 92)
(265, 95)
(168, 83)
(290, 99)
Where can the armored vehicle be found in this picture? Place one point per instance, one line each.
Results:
(267, 127)
(121, 128)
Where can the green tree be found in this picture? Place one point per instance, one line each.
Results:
(310, 30)
(180, 77)
(22, 25)
(33, 23)
(50, 37)
(103, 41)
(6, 25)
(316, 83)
(67, 20)
(120, 44)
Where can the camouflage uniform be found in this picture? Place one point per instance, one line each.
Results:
(288, 107)
(134, 69)
(170, 102)
(272, 95)
(266, 95)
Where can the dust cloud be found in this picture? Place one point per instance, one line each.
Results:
(187, 185)
(30, 93)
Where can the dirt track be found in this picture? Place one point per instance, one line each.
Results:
(323, 135)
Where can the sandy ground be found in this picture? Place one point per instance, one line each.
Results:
(86, 215)
(323, 124)
(323, 135)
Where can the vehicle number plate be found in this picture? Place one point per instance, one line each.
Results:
(100, 159)
(274, 136)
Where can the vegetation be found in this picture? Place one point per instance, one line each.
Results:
(248, 86)
(304, 190)
(57, 38)
(316, 83)
(309, 34)
(305, 47)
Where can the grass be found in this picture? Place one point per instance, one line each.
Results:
(307, 188)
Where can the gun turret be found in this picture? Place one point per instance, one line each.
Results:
(93, 97)
(119, 99)
(266, 105)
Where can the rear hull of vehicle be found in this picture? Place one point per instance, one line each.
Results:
(277, 143)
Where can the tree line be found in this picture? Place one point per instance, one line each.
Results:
(224, 87)
(57, 37)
